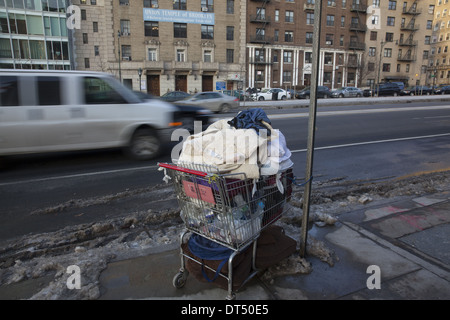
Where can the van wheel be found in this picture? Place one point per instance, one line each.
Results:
(261, 99)
(144, 145)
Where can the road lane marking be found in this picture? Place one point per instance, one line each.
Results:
(373, 142)
(359, 111)
(79, 175)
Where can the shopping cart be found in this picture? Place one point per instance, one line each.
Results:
(227, 210)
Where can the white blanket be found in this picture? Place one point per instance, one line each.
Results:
(229, 149)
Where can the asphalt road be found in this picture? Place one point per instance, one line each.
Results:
(353, 142)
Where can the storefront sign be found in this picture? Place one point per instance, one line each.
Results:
(180, 16)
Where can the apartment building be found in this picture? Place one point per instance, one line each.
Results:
(280, 36)
(34, 35)
(439, 60)
(398, 42)
(157, 45)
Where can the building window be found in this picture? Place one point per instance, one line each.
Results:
(327, 77)
(341, 41)
(85, 38)
(328, 58)
(387, 52)
(181, 55)
(126, 52)
(96, 51)
(289, 16)
(392, 5)
(230, 55)
(151, 28)
(289, 36)
(287, 76)
(207, 56)
(372, 51)
(125, 27)
(309, 18)
(95, 26)
(179, 4)
(308, 57)
(371, 66)
(83, 14)
(124, 2)
(330, 20)
(152, 54)
(375, 20)
(386, 67)
(180, 30)
(343, 21)
(329, 39)
(373, 35)
(276, 35)
(427, 39)
(209, 4)
(391, 21)
(309, 37)
(389, 37)
(151, 4)
(287, 56)
(230, 6)
(207, 31)
(230, 32)
(87, 65)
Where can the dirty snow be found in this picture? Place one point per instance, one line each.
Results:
(93, 246)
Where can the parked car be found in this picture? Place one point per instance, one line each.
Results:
(52, 111)
(347, 92)
(442, 89)
(240, 94)
(400, 84)
(172, 96)
(212, 100)
(186, 114)
(322, 92)
(271, 94)
(416, 91)
(383, 89)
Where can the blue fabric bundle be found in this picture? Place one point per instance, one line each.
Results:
(209, 250)
(251, 119)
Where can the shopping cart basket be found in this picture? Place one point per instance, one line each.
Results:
(226, 210)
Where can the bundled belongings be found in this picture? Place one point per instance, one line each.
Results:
(232, 182)
(272, 247)
(245, 144)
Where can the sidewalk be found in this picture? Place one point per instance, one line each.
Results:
(408, 241)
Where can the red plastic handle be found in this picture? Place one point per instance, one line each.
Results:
(182, 169)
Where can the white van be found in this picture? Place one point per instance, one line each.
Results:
(47, 111)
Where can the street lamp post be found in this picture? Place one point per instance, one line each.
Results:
(140, 75)
(379, 67)
(118, 40)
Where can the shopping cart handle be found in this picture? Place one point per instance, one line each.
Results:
(182, 169)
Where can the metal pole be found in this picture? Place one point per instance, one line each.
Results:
(120, 71)
(311, 124)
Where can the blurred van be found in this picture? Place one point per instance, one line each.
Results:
(48, 111)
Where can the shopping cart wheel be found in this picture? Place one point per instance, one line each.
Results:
(179, 280)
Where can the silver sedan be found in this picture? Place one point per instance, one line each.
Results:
(212, 100)
(347, 92)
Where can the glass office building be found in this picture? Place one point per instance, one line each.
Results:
(34, 35)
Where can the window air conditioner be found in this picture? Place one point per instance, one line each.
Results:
(327, 42)
(205, 9)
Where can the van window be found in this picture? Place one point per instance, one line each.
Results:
(98, 91)
(9, 93)
(49, 92)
